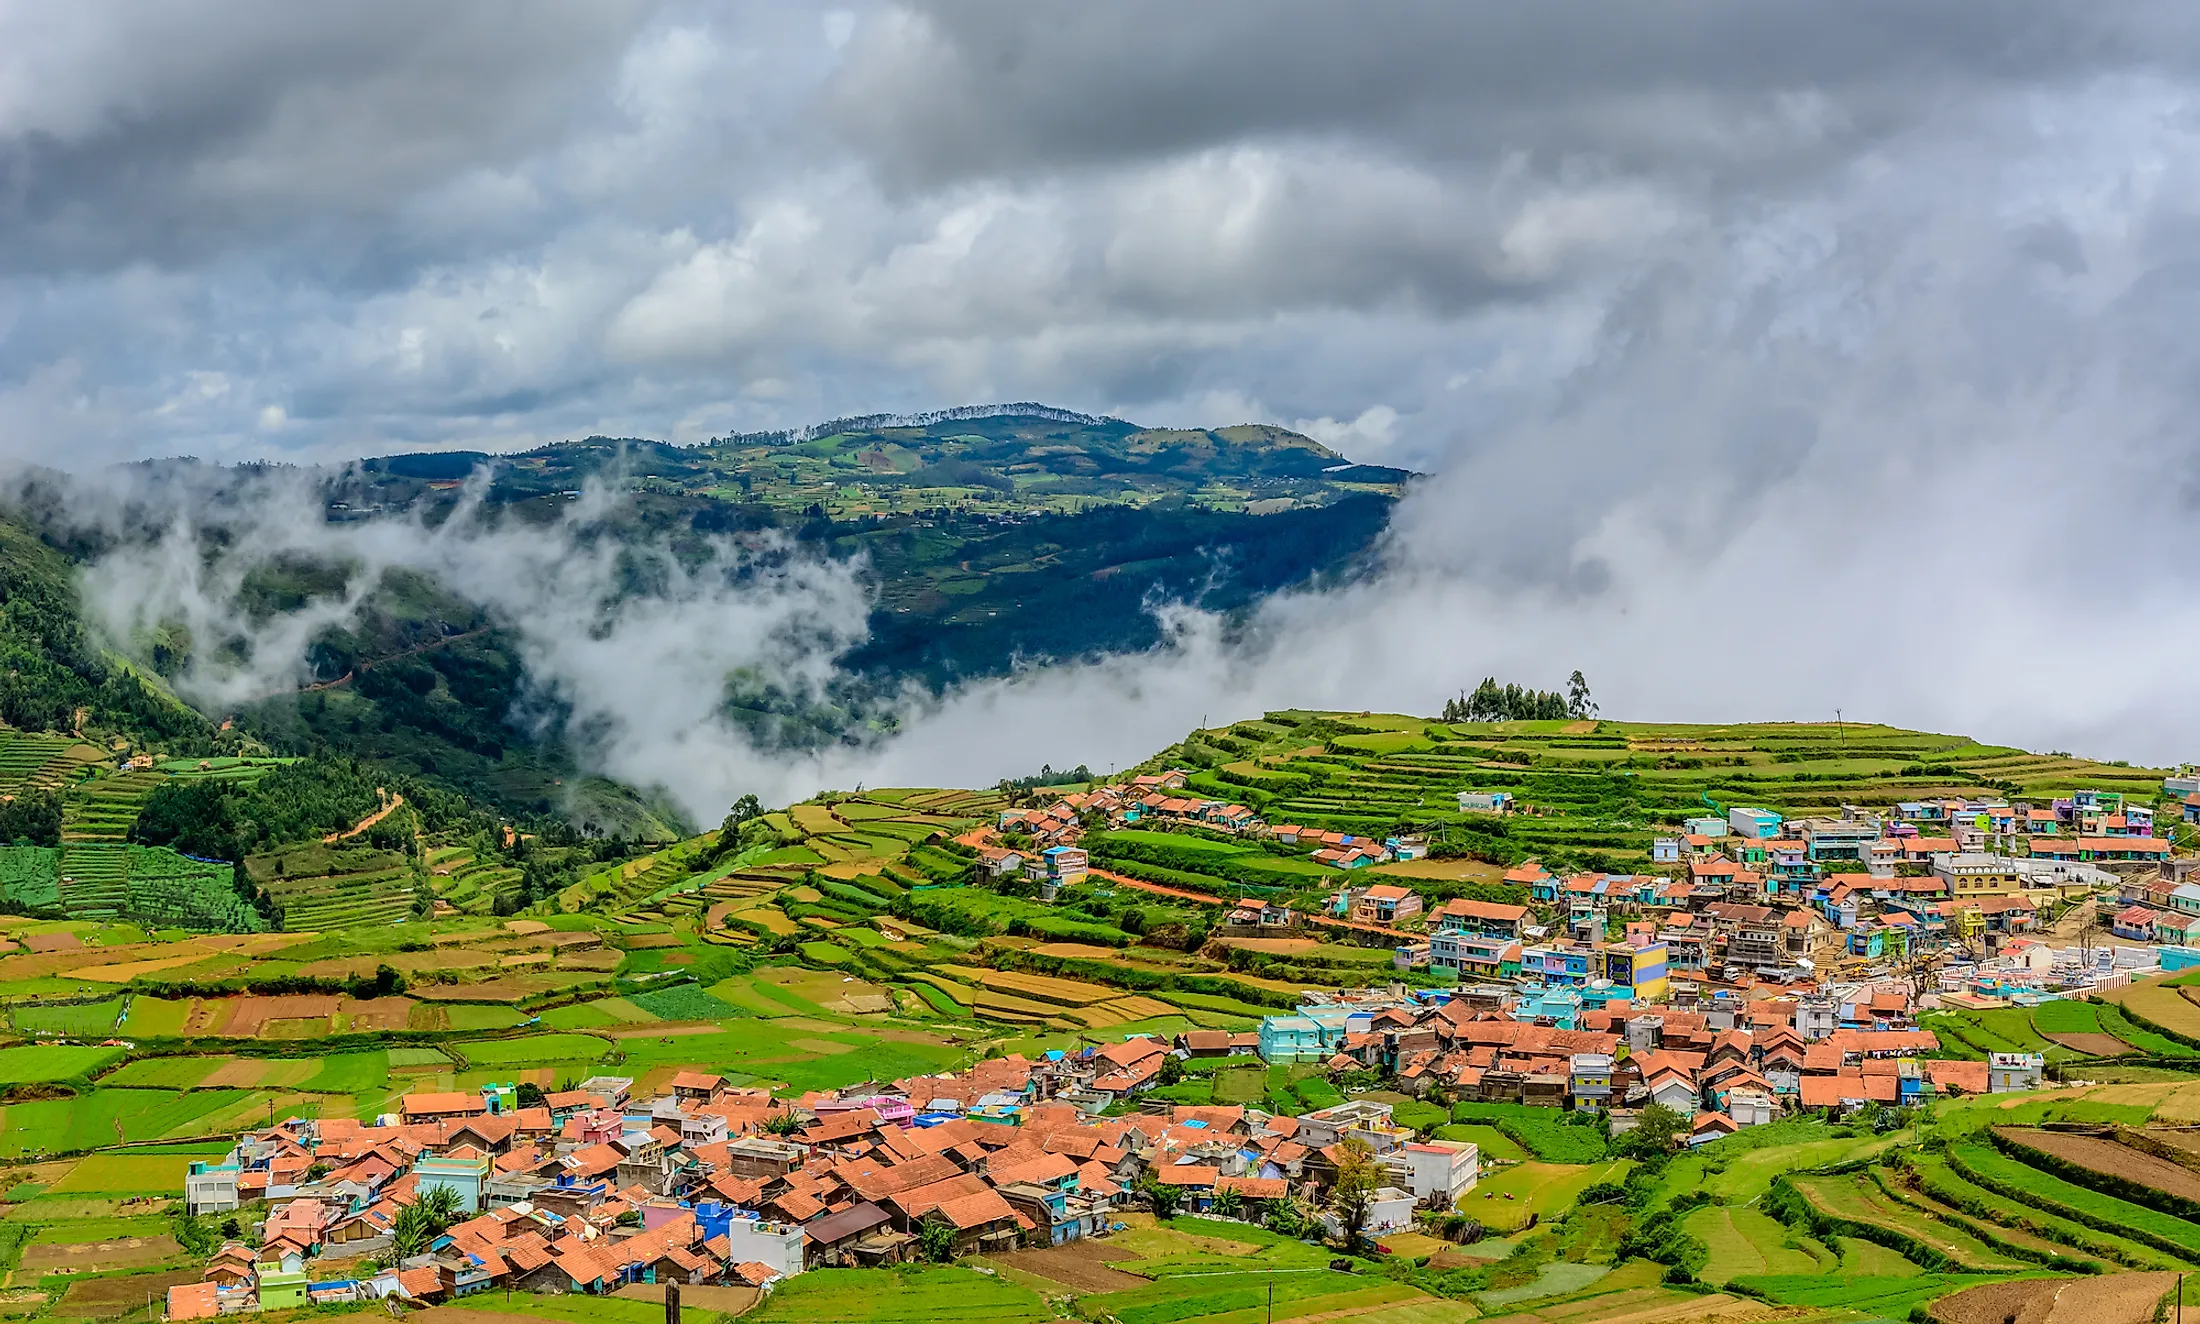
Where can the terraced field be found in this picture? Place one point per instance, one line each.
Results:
(2003, 1175)
(95, 879)
(1938, 1179)
(1365, 773)
(1746, 1242)
(317, 888)
(1855, 1198)
(37, 762)
(105, 808)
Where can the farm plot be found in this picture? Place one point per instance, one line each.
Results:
(81, 1019)
(1542, 1131)
(1883, 1297)
(163, 1073)
(2076, 1026)
(2098, 1154)
(530, 1049)
(886, 1296)
(125, 1174)
(2006, 1176)
(2158, 1004)
(1938, 1179)
(1747, 1242)
(29, 1063)
(1505, 1200)
(103, 1256)
(251, 1015)
(1857, 1199)
(2117, 1298)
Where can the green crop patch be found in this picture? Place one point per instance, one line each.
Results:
(29, 1063)
(683, 1002)
(892, 1296)
(530, 1050)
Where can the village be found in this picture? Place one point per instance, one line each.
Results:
(1779, 967)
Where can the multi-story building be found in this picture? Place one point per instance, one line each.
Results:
(210, 1188)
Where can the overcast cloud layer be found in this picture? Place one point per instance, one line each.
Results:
(1772, 357)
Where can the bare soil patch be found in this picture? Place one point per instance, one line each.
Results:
(2116, 1298)
(52, 942)
(2092, 1045)
(377, 1013)
(731, 1300)
(101, 1256)
(1083, 1265)
(122, 1296)
(662, 1030)
(207, 1016)
(1441, 870)
(507, 988)
(2106, 1156)
(1272, 946)
(252, 1013)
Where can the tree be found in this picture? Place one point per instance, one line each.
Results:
(782, 1123)
(1227, 1204)
(1286, 1219)
(1171, 1072)
(1578, 703)
(1656, 1131)
(528, 1094)
(936, 1239)
(1163, 1198)
(1358, 1178)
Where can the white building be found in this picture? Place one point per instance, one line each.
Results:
(2013, 1071)
(1438, 1168)
(1749, 1107)
(778, 1245)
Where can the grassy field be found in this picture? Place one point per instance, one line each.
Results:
(47, 1062)
(886, 1296)
(1747, 1243)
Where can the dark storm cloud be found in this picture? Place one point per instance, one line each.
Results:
(1879, 311)
(951, 90)
(172, 132)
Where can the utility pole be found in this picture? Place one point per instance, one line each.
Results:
(672, 1303)
(1272, 1300)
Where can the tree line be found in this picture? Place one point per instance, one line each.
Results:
(1511, 702)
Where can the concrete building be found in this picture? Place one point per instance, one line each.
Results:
(1447, 1169)
(778, 1245)
(466, 1177)
(210, 1188)
(1756, 824)
(2014, 1071)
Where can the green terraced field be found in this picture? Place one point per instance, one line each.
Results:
(106, 808)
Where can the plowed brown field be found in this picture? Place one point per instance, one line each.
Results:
(2116, 1298)
(2106, 1156)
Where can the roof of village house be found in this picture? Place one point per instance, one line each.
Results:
(1186, 1174)
(1465, 908)
(194, 1301)
(975, 1209)
(456, 1101)
(850, 1222)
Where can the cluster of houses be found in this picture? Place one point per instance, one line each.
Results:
(1725, 1061)
(593, 1189)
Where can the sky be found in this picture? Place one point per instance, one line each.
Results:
(1768, 357)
